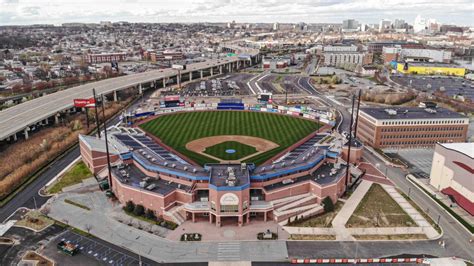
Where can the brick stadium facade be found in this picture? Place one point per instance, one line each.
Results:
(145, 173)
(410, 127)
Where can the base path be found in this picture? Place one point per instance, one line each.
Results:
(261, 145)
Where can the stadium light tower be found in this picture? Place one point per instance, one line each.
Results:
(109, 168)
(96, 113)
(350, 144)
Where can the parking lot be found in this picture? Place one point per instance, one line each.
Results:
(449, 85)
(100, 251)
(228, 85)
(418, 159)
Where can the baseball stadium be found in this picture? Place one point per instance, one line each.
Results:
(225, 164)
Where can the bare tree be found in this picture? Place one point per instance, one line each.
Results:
(88, 228)
(45, 210)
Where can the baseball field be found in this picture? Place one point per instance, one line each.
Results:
(178, 129)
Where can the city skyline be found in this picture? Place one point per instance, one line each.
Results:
(24, 12)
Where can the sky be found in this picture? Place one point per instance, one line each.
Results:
(22, 12)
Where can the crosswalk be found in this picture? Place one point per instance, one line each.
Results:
(228, 251)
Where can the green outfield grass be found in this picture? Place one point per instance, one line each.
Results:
(177, 129)
(241, 150)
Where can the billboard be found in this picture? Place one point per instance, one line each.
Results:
(84, 102)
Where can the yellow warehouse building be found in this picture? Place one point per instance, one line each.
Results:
(431, 69)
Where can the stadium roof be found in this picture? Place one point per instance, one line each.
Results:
(382, 113)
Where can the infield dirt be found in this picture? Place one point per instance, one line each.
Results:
(261, 145)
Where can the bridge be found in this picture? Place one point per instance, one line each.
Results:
(39, 111)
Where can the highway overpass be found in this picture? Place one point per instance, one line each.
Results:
(20, 117)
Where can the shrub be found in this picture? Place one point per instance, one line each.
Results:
(328, 204)
(129, 206)
(150, 214)
(139, 210)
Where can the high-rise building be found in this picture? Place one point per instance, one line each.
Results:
(350, 25)
(400, 24)
(276, 26)
(425, 25)
(385, 24)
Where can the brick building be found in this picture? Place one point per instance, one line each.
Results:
(148, 173)
(410, 127)
(160, 56)
(105, 58)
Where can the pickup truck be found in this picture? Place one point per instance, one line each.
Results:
(68, 248)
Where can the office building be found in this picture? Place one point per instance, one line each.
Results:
(350, 25)
(397, 53)
(403, 127)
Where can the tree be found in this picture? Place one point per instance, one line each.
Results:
(139, 210)
(88, 228)
(150, 214)
(41, 85)
(129, 206)
(328, 204)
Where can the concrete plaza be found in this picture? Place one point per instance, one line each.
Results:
(101, 222)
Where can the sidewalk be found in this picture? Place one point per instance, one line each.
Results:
(339, 222)
(309, 230)
(430, 232)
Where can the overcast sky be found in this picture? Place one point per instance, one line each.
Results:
(14, 12)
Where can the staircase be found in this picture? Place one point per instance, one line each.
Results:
(303, 204)
(175, 214)
(280, 202)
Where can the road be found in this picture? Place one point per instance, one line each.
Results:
(19, 117)
(343, 119)
(29, 195)
(455, 235)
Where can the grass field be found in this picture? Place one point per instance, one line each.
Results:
(241, 150)
(75, 175)
(379, 209)
(177, 129)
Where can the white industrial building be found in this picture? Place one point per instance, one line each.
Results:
(452, 172)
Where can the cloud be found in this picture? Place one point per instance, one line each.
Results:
(311, 11)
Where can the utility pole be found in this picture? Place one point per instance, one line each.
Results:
(357, 114)
(87, 116)
(109, 168)
(350, 143)
(96, 113)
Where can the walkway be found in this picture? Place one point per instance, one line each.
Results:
(339, 222)
(430, 232)
(373, 174)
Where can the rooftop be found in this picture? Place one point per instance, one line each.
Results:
(228, 175)
(409, 113)
(466, 148)
(326, 174)
(434, 64)
(132, 176)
